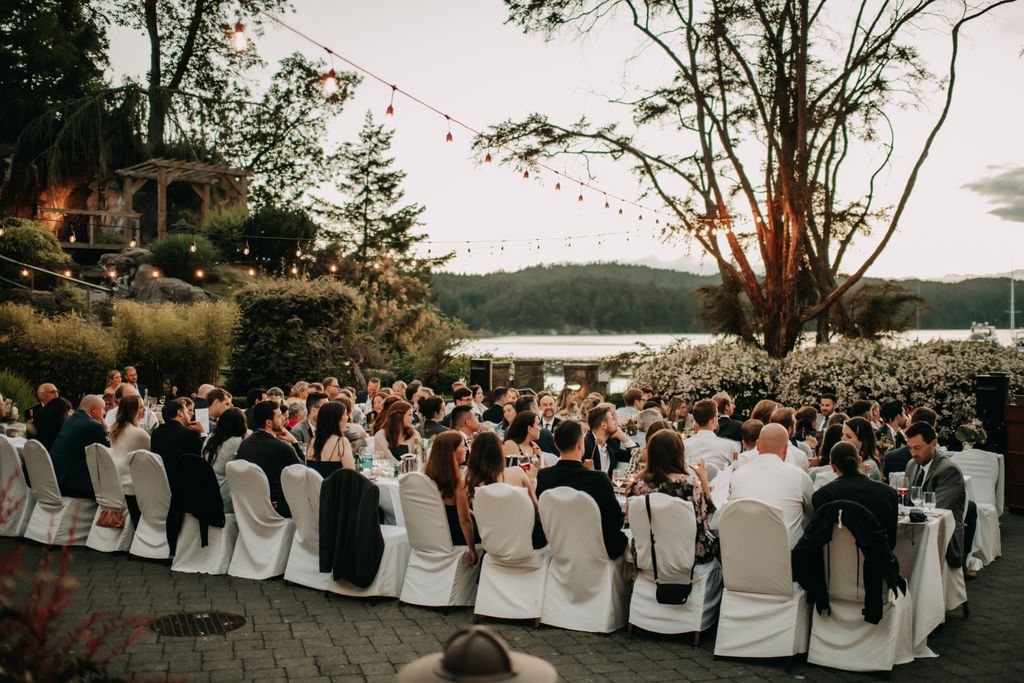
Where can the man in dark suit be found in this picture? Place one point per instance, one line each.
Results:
(44, 425)
(499, 397)
(896, 460)
(546, 405)
(893, 421)
(272, 448)
(363, 398)
(933, 471)
(881, 500)
(461, 396)
(570, 471)
(606, 445)
(728, 428)
(305, 430)
(82, 429)
(179, 435)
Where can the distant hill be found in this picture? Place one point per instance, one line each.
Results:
(621, 298)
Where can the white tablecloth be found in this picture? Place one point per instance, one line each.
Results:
(921, 550)
(390, 504)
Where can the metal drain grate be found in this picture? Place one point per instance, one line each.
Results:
(194, 624)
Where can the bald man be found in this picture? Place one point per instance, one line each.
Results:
(770, 479)
(82, 429)
(42, 423)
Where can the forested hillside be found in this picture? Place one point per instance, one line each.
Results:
(618, 298)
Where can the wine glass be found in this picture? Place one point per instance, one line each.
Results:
(916, 495)
(929, 500)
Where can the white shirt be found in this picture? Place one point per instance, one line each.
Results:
(770, 480)
(627, 413)
(705, 446)
(794, 456)
(148, 422)
(130, 439)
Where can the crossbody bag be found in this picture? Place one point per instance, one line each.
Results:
(666, 593)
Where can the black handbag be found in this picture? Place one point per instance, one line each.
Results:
(666, 593)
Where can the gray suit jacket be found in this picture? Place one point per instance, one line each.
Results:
(303, 432)
(946, 480)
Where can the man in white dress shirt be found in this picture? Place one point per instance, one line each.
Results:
(769, 479)
(787, 418)
(633, 403)
(705, 445)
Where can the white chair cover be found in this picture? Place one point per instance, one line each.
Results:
(824, 475)
(438, 574)
(675, 529)
(585, 591)
(264, 537)
(513, 573)
(16, 509)
(191, 557)
(983, 488)
(153, 494)
(107, 485)
(548, 459)
(301, 486)
(953, 583)
(764, 612)
(842, 639)
(55, 520)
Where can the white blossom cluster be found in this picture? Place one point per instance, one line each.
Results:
(937, 374)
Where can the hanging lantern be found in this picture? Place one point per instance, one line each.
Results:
(606, 204)
(329, 86)
(391, 104)
(132, 243)
(298, 251)
(239, 41)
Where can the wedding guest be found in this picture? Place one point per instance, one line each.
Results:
(667, 472)
(633, 401)
(398, 436)
(568, 404)
(374, 407)
(462, 396)
(175, 438)
(826, 406)
(837, 419)
(330, 443)
(763, 410)
(679, 415)
(570, 471)
(749, 433)
(934, 472)
(832, 436)
(875, 416)
(126, 437)
(487, 465)
(478, 400)
(113, 381)
(858, 431)
(200, 396)
(770, 479)
(296, 414)
(255, 396)
(381, 420)
(82, 429)
(806, 427)
(304, 430)
(222, 447)
(272, 448)
(851, 484)
(131, 376)
(728, 428)
(606, 444)
(331, 387)
(508, 414)
(432, 410)
(521, 439)
(48, 418)
(499, 397)
(860, 408)
(894, 419)
(299, 391)
(466, 422)
(45, 393)
(795, 455)
(109, 402)
(705, 446)
(365, 397)
(896, 460)
(444, 467)
(218, 401)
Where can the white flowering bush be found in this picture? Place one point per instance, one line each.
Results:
(700, 371)
(937, 374)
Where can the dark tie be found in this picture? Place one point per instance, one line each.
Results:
(919, 480)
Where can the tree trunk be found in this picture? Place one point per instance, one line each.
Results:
(157, 97)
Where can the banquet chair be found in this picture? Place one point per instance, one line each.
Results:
(264, 536)
(190, 555)
(19, 502)
(107, 484)
(954, 585)
(437, 575)
(56, 519)
(548, 459)
(675, 532)
(841, 639)
(764, 613)
(585, 590)
(983, 469)
(513, 573)
(153, 494)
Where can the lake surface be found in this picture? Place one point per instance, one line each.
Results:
(596, 346)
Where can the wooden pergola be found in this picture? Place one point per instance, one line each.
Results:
(199, 176)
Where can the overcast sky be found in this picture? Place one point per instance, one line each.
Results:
(966, 215)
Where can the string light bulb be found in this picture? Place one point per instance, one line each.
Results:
(448, 138)
(192, 247)
(24, 272)
(580, 198)
(1, 231)
(132, 243)
(606, 204)
(558, 185)
(295, 270)
(487, 158)
(333, 268)
(72, 239)
(199, 273)
(67, 272)
(330, 84)
(154, 273)
(252, 271)
(245, 249)
(239, 41)
(298, 251)
(526, 175)
(391, 104)
(112, 274)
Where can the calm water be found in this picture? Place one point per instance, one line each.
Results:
(590, 347)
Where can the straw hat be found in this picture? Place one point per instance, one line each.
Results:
(477, 654)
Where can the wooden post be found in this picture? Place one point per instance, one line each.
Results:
(204, 209)
(161, 203)
(530, 374)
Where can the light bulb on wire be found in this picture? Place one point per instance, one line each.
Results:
(448, 138)
(329, 86)
(72, 239)
(239, 41)
(245, 249)
(487, 160)
(391, 104)
(192, 247)
(298, 251)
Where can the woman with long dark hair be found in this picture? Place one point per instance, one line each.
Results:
(858, 431)
(398, 437)
(444, 467)
(521, 438)
(381, 419)
(222, 446)
(486, 465)
(830, 438)
(330, 444)
(666, 472)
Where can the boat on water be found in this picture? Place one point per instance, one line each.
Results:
(982, 332)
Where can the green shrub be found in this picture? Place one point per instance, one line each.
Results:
(172, 255)
(30, 243)
(17, 390)
(266, 250)
(174, 344)
(225, 225)
(290, 330)
(68, 350)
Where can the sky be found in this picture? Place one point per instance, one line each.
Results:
(966, 215)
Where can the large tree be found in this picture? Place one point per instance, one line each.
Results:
(774, 104)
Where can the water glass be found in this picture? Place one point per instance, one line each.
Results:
(916, 496)
(929, 500)
(367, 462)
